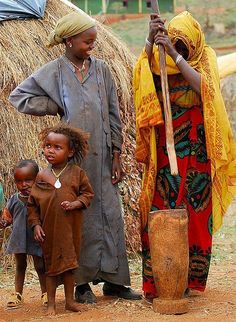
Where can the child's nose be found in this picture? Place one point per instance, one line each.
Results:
(50, 150)
(25, 184)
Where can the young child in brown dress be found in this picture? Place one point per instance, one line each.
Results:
(21, 242)
(55, 206)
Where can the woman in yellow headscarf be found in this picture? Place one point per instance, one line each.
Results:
(205, 148)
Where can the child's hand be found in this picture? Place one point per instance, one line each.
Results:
(39, 233)
(5, 219)
(3, 223)
(67, 205)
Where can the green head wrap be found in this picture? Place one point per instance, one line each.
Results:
(70, 25)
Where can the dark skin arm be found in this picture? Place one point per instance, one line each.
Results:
(84, 194)
(39, 233)
(67, 205)
(3, 223)
(6, 218)
(116, 168)
(190, 74)
(155, 22)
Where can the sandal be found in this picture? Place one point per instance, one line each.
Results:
(15, 300)
(44, 298)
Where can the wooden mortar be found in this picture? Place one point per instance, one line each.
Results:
(168, 237)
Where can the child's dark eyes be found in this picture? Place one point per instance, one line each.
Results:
(26, 180)
(29, 180)
(57, 147)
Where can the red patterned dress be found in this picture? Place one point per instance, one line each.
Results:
(191, 187)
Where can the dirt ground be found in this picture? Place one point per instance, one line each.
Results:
(217, 303)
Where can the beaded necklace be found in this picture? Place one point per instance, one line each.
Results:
(80, 69)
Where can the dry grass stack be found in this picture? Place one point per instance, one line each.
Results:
(228, 89)
(227, 72)
(22, 52)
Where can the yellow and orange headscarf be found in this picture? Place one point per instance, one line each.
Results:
(221, 146)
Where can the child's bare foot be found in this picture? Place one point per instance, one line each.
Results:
(74, 307)
(51, 310)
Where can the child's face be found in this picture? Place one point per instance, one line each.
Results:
(83, 43)
(57, 149)
(24, 179)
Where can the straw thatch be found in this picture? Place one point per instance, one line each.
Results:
(22, 52)
(228, 89)
(227, 72)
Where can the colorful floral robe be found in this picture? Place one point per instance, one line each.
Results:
(191, 187)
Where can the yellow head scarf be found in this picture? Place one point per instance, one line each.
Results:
(70, 25)
(221, 146)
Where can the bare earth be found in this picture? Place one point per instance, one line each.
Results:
(217, 303)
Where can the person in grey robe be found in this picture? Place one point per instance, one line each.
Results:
(80, 88)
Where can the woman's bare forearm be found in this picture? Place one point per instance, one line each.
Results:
(190, 74)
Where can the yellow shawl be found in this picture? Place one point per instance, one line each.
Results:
(221, 146)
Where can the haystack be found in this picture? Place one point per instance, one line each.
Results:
(22, 52)
(228, 89)
(227, 72)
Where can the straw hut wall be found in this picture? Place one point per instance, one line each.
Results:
(22, 51)
(227, 72)
(228, 89)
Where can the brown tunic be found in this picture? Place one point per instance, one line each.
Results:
(61, 246)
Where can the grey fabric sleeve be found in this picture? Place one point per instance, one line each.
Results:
(114, 116)
(30, 98)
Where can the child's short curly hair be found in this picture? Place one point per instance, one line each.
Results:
(24, 163)
(78, 140)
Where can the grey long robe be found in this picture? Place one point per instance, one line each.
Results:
(91, 105)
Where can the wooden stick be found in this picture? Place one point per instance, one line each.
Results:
(170, 144)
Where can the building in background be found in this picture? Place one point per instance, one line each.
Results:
(95, 7)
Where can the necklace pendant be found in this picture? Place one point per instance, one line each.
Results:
(57, 184)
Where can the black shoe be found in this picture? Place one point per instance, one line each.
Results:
(84, 294)
(121, 291)
(187, 292)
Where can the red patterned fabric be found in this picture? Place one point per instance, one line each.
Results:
(192, 187)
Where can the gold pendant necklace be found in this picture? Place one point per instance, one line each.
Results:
(57, 184)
